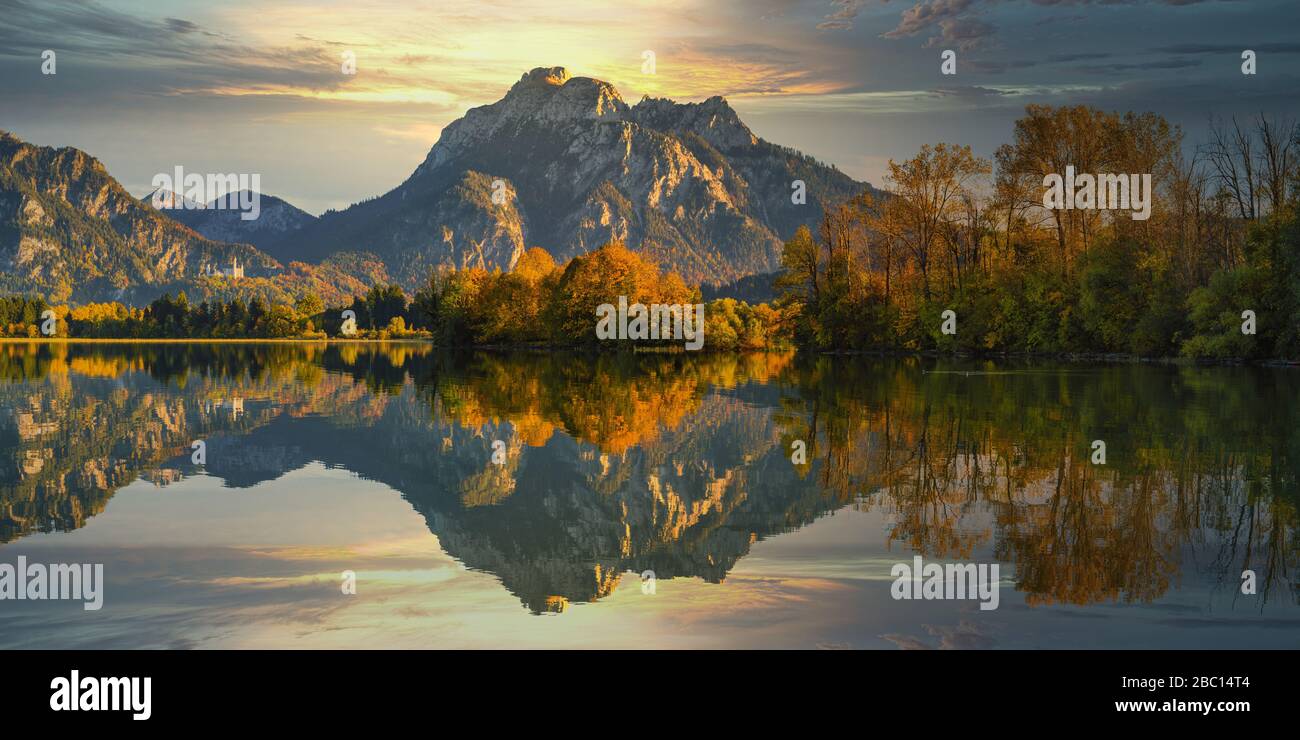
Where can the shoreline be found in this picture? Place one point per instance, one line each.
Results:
(222, 340)
(1079, 357)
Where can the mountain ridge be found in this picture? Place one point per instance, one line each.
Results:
(560, 162)
(67, 226)
(276, 219)
(687, 184)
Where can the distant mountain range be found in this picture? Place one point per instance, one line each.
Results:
(560, 162)
(222, 221)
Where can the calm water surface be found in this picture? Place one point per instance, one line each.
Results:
(377, 459)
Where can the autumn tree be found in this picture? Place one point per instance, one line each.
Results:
(602, 276)
(928, 190)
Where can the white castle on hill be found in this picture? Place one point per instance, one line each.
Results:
(235, 270)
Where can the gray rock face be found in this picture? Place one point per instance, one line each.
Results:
(689, 185)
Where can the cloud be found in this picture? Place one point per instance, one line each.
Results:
(954, 17)
(966, 636)
(1055, 19)
(1286, 47)
(965, 33)
(925, 14)
(907, 642)
(1079, 57)
(842, 19)
(181, 26)
(1122, 2)
(305, 37)
(967, 91)
(998, 67)
(1138, 66)
(776, 9)
(191, 61)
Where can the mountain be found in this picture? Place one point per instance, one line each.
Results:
(165, 200)
(275, 219)
(560, 162)
(752, 289)
(67, 228)
(688, 184)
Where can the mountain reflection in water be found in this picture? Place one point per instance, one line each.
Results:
(680, 464)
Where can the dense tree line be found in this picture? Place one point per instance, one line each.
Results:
(957, 232)
(20, 316)
(538, 303)
(543, 303)
(171, 317)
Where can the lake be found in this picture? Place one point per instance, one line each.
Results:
(347, 496)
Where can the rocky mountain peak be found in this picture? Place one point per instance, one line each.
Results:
(714, 120)
(544, 99)
(555, 76)
(550, 94)
(686, 184)
(165, 199)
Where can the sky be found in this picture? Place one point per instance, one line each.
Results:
(258, 87)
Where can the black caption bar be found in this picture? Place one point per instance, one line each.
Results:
(230, 688)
